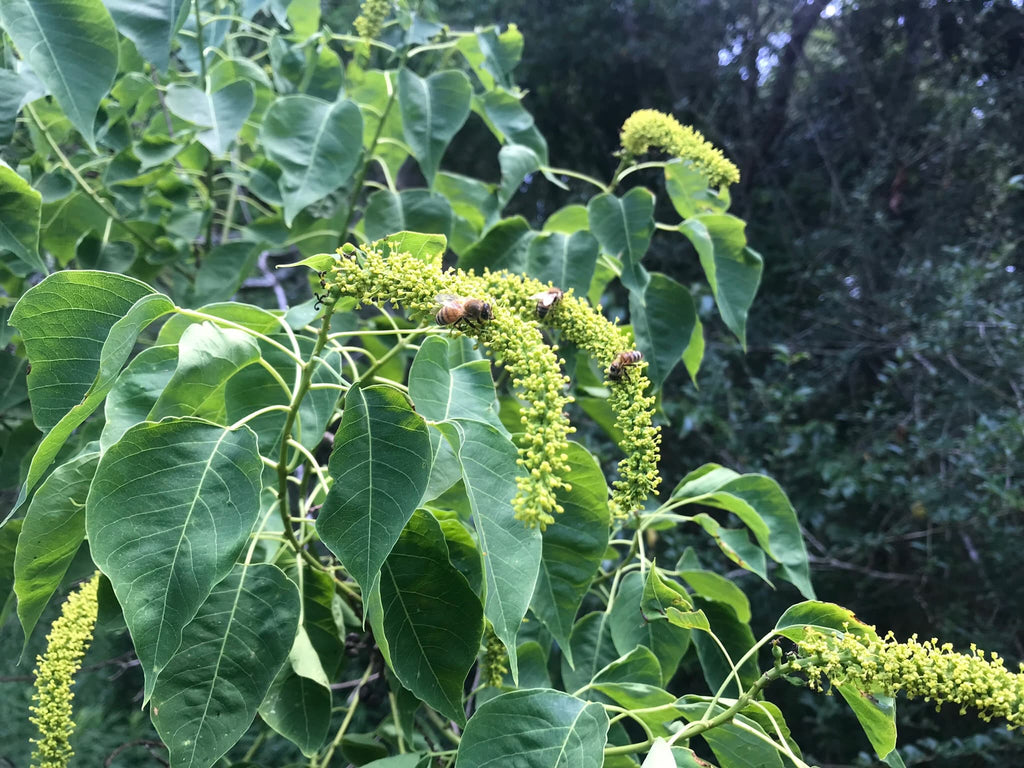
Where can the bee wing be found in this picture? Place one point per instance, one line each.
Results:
(449, 300)
(545, 298)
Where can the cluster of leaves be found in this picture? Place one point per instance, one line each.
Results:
(293, 505)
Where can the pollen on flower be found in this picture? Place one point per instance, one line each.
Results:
(648, 129)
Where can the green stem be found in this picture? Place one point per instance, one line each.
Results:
(103, 204)
(616, 176)
(368, 374)
(208, 173)
(354, 699)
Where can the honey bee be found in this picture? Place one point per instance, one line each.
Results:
(546, 300)
(458, 310)
(618, 370)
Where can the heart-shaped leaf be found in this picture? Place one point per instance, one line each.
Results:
(433, 110)
(624, 227)
(222, 112)
(664, 322)
(150, 24)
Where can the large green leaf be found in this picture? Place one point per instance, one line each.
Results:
(380, 465)
(737, 638)
(150, 24)
(316, 144)
(824, 618)
(445, 388)
(664, 321)
(433, 110)
(876, 715)
(517, 163)
(222, 113)
(689, 192)
(568, 261)
(136, 390)
(733, 270)
(72, 46)
(78, 328)
(170, 508)
(19, 218)
(231, 651)
(432, 620)
(510, 122)
(298, 708)
(51, 534)
(541, 728)
(474, 204)
(417, 210)
(504, 246)
(624, 227)
(511, 551)
(573, 547)
(763, 507)
(207, 357)
(629, 628)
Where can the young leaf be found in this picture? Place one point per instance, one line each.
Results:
(19, 218)
(432, 620)
(542, 728)
(72, 46)
(170, 508)
(573, 547)
(733, 270)
(827, 618)
(317, 145)
(433, 110)
(51, 534)
(380, 465)
(624, 227)
(630, 629)
(231, 651)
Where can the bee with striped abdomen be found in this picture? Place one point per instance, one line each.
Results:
(458, 310)
(618, 370)
(546, 300)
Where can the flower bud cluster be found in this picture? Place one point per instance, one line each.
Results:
(66, 644)
(591, 331)
(927, 670)
(405, 281)
(371, 17)
(649, 129)
(495, 661)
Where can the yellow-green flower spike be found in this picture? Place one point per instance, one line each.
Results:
(495, 661)
(405, 281)
(925, 670)
(371, 17)
(66, 644)
(648, 129)
(581, 325)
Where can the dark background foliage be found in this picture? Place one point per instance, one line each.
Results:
(883, 386)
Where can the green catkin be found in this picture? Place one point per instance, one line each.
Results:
(591, 331)
(410, 283)
(925, 670)
(495, 661)
(648, 129)
(66, 645)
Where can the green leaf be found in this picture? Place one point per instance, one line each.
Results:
(688, 190)
(511, 551)
(737, 638)
(624, 227)
(664, 320)
(433, 110)
(592, 649)
(568, 261)
(517, 162)
(52, 532)
(222, 271)
(428, 248)
(13, 387)
(380, 465)
(734, 747)
(8, 545)
(317, 145)
(659, 756)
(71, 46)
(504, 246)
(136, 391)
(511, 123)
(639, 666)
(418, 210)
(299, 709)
(629, 628)
(432, 620)
(568, 220)
(712, 586)
(827, 618)
(443, 389)
(542, 728)
(207, 357)
(733, 270)
(573, 547)
(764, 508)
(150, 24)
(170, 508)
(474, 203)
(231, 651)
(688, 619)
(78, 328)
(19, 218)
(735, 543)
(660, 593)
(222, 112)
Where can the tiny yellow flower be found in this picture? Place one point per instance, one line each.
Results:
(648, 129)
